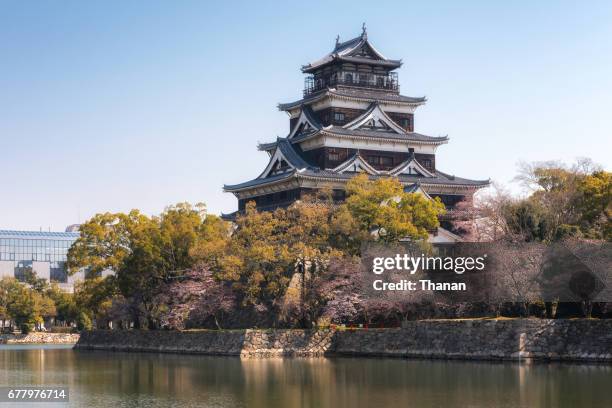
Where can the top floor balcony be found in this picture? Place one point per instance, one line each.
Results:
(351, 78)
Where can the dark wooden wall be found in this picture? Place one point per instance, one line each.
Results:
(272, 201)
(321, 157)
(327, 117)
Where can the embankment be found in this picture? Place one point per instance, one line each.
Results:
(528, 339)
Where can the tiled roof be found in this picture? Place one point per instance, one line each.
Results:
(267, 146)
(302, 169)
(343, 51)
(230, 217)
(338, 130)
(38, 234)
(291, 155)
(354, 93)
(376, 95)
(411, 188)
(440, 178)
(259, 181)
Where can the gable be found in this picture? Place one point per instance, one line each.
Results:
(375, 119)
(356, 164)
(364, 51)
(305, 123)
(411, 167)
(278, 164)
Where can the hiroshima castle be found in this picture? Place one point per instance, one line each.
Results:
(351, 119)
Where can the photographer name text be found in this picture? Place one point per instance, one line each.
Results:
(410, 265)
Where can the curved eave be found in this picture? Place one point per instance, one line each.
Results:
(478, 184)
(230, 216)
(343, 177)
(360, 60)
(310, 68)
(404, 138)
(422, 181)
(266, 147)
(233, 188)
(331, 92)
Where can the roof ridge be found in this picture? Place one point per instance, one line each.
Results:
(344, 43)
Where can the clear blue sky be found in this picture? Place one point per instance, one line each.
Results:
(119, 105)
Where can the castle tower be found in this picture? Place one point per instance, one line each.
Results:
(351, 118)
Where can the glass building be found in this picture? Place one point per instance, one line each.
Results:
(44, 252)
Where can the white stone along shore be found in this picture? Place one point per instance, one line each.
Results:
(39, 338)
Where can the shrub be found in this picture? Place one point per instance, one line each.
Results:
(26, 327)
(84, 322)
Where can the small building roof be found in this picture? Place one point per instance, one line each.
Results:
(357, 50)
(38, 235)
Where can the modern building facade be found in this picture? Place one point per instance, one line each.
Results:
(44, 252)
(351, 119)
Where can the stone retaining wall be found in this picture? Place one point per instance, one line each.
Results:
(39, 338)
(577, 340)
(245, 343)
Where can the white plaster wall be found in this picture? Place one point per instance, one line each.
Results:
(42, 269)
(7, 269)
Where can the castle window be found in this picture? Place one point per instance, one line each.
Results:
(333, 156)
(427, 163)
(374, 159)
(386, 161)
(338, 195)
(348, 78)
(405, 123)
(339, 117)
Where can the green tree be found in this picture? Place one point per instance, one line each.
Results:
(527, 219)
(565, 202)
(84, 321)
(257, 259)
(145, 252)
(66, 308)
(94, 297)
(104, 242)
(185, 229)
(44, 306)
(32, 279)
(4, 298)
(382, 208)
(22, 305)
(595, 204)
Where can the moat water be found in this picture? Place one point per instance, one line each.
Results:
(113, 380)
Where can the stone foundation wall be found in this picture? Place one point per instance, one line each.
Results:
(558, 340)
(585, 340)
(39, 338)
(245, 343)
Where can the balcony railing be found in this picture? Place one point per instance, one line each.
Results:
(358, 79)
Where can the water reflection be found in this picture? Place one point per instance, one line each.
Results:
(99, 379)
